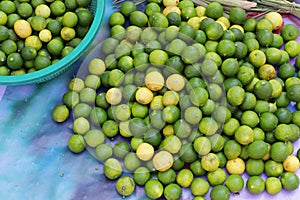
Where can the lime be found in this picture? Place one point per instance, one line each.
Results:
(153, 189)
(235, 166)
(237, 15)
(220, 192)
(279, 151)
(255, 167)
(158, 20)
(112, 168)
(210, 162)
(292, 47)
(291, 164)
(125, 186)
(172, 191)
(103, 152)
(235, 95)
(184, 178)
(232, 149)
(250, 24)
(138, 18)
(289, 32)
(234, 183)
(257, 149)
(199, 186)
(255, 184)
(131, 162)
(214, 10)
(94, 137)
(187, 153)
(163, 160)
(171, 114)
(286, 71)
(22, 28)
(273, 185)
(141, 175)
(171, 144)
(76, 143)
(230, 67)
(202, 145)
(214, 31)
(216, 177)
(174, 18)
(290, 181)
(265, 37)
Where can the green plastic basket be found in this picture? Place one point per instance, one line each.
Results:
(97, 8)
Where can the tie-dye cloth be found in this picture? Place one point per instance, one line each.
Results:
(35, 161)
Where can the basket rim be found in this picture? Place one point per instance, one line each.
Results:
(61, 65)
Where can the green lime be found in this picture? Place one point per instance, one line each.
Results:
(255, 184)
(173, 18)
(214, 10)
(199, 186)
(24, 9)
(184, 178)
(121, 149)
(235, 95)
(232, 149)
(279, 151)
(131, 161)
(273, 168)
(237, 15)
(127, 8)
(216, 177)
(265, 37)
(255, 167)
(172, 191)
(58, 8)
(110, 128)
(234, 183)
(76, 143)
(125, 186)
(153, 189)
(187, 153)
(273, 185)
(94, 138)
(210, 162)
(290, 181)
(138, 18)
(112, 168)
(167, 177)
(292, 91)
(268, 121)
(244, 135)
(263, 89)
(202, 145)
(230, 67)
(220, 192)
(103, 152)
(141, 175)
(250, 24)
(214, 31)
(289, 32)
(197, 169)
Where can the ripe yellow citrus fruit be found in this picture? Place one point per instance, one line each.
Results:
(154, 81)
(175, 82)
(143, 95)
(145, 151)
(22, 28)
(162, 161)
(275, 18)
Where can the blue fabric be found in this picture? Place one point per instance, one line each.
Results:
(35, 161)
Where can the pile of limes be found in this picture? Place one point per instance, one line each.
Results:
(35, 34)
(184, 97)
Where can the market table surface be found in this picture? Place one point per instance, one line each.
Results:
(35, 160)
